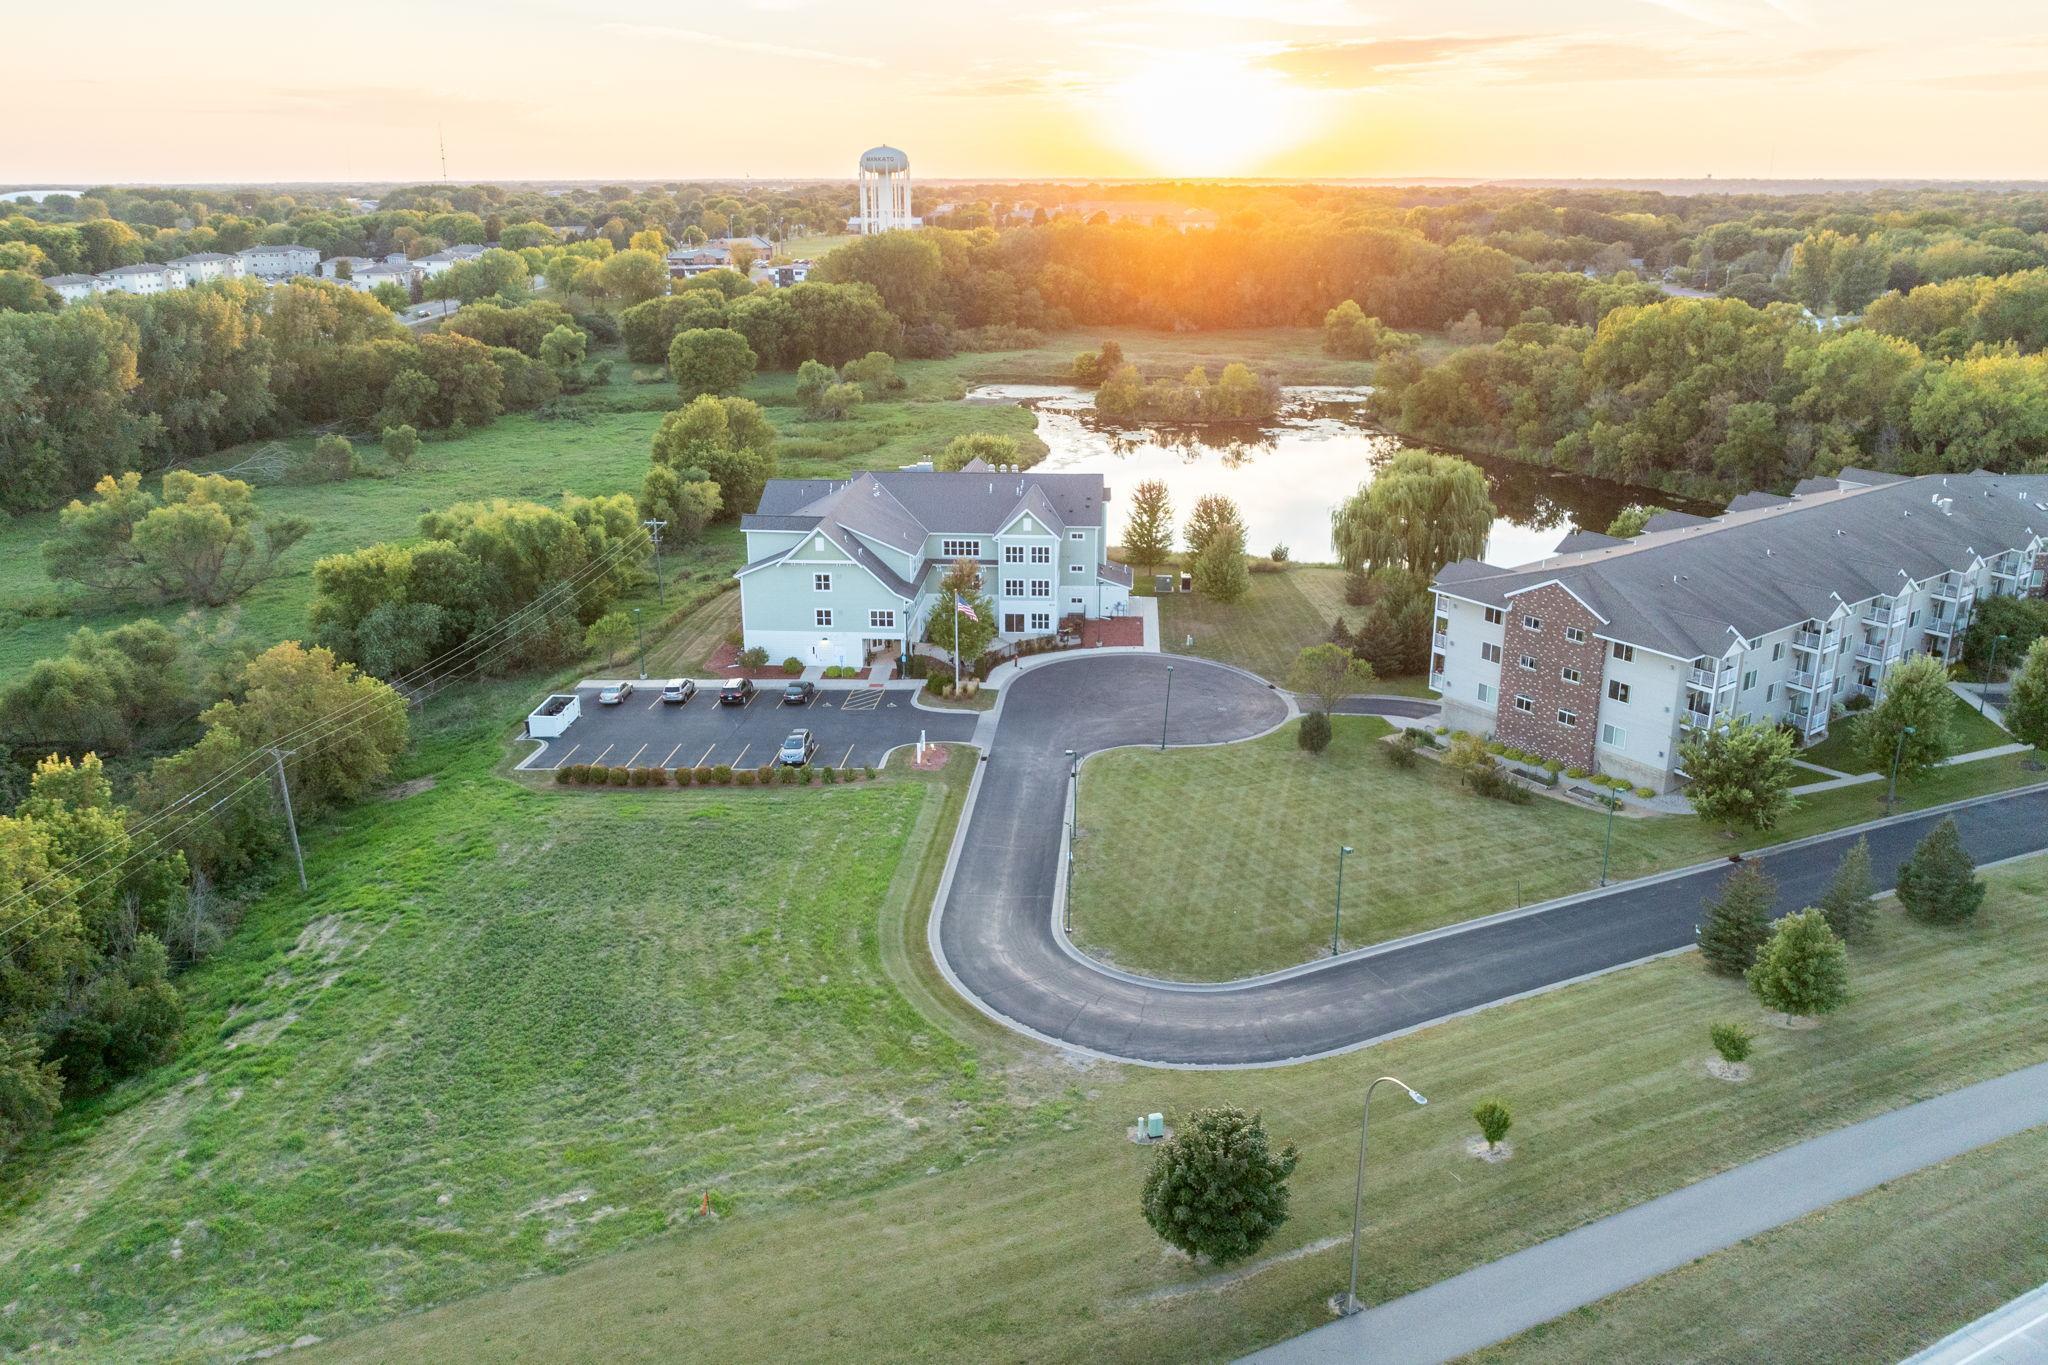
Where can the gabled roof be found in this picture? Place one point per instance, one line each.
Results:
(1575, 541)
(1671, 521)
(1682, 587)
(850, 545)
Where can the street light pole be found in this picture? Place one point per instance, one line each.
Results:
(1351, 1304)
(1073, 828)
(1337, 929)
(1167, 710)
(1613, 804)
(1990, 673)
(641, 635)
(1892, 797)
(654, 525)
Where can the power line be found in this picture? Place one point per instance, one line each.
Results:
(331, 725)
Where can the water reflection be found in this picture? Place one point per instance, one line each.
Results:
(1286, 476)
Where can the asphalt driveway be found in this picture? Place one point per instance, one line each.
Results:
(994, 937)
(854, 726)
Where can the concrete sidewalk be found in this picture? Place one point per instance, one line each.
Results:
(1496, 1301)
(2016, 1334)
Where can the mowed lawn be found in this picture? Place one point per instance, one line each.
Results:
(1878, 1277)
(1283, 614)
(1842, 750)
(1041, 1253)
(1243, 879)
(509, 1029)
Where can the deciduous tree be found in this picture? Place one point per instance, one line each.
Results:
(1148, 534)
(1420, 512)
(1916, 696)
(1741, 773)
(1326, 674)
(1802, 969)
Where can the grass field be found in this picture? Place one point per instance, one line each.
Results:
(509, 1029)
(1244, 881)
(1042, 1254)
(1873, 1278)
(1281, 615)
(1842, 749)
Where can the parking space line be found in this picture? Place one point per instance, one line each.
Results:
(636, 755)
(704, 756)
(600, 758)
(671, 755)
(565, 757)
(742, 754)
(848, 755)
(656, 702)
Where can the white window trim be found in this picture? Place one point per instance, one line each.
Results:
(1525, 704)
(1614, 737)
(1534, 623)
(1571, 675)
(821, 582)
(823, 618)
(1568, 719)
(1575, 635)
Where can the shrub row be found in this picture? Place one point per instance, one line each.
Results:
(723, 775)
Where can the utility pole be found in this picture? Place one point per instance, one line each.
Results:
(284, 788)
(654, 525)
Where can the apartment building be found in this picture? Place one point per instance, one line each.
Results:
(204, 267)
(842, 571)
(1606, 654)
(279, 262)
(146, 278)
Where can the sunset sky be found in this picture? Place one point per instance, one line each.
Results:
(129, 91)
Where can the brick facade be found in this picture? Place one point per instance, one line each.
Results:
(1539, 730)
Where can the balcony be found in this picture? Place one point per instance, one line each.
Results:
(1814, 641)
(1879, 654)
(1707, 679)
(1940, 626)
(1811, 681)
(1954, 592)
(1695, 719)
(1440, 640)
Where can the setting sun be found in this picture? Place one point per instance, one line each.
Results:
(1200, 113)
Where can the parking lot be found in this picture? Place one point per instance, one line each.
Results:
(855, 726)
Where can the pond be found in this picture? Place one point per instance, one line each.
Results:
(1287, 474)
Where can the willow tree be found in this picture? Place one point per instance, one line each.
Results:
(1420, 513)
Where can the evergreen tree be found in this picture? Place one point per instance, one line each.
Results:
(1738, 921)
(1847, 904)
(1313, 733)
(1220, 572)
(1939, 883)
(1803, 969)
(1216, 1188)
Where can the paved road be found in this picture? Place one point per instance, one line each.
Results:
(1496, 1301)
(857, 725)
(994, 936)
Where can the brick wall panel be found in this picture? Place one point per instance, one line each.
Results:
(1540, 732)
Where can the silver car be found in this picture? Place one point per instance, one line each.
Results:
(797, 749)
(678, 691)
(616, 693)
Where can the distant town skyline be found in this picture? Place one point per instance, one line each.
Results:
(1580, 89)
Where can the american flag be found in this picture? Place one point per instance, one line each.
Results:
(960, 605)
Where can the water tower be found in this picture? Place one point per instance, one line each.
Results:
(884, 191)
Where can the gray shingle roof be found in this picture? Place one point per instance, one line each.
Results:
(1671, 521)
(1114, 573)
(1689, 589)
(1575, 541)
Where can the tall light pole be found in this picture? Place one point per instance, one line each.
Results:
(1166, 710)
(641, 635)
(1073, 828)
(654, 525)
(1990, 673)
(1892, 797)
(1351, 1304)
(1337, 929)
(1613, 804)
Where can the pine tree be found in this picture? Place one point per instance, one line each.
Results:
(1847, 904)
(1939, 883)
(1220, 572)
(1216, 1188)
(1803, 969)
(1148, 535)
(1738, 921)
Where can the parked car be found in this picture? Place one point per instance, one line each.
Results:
(797, 749)
(737, 692)
(616, 693)
(799, 693)
(678, 691)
